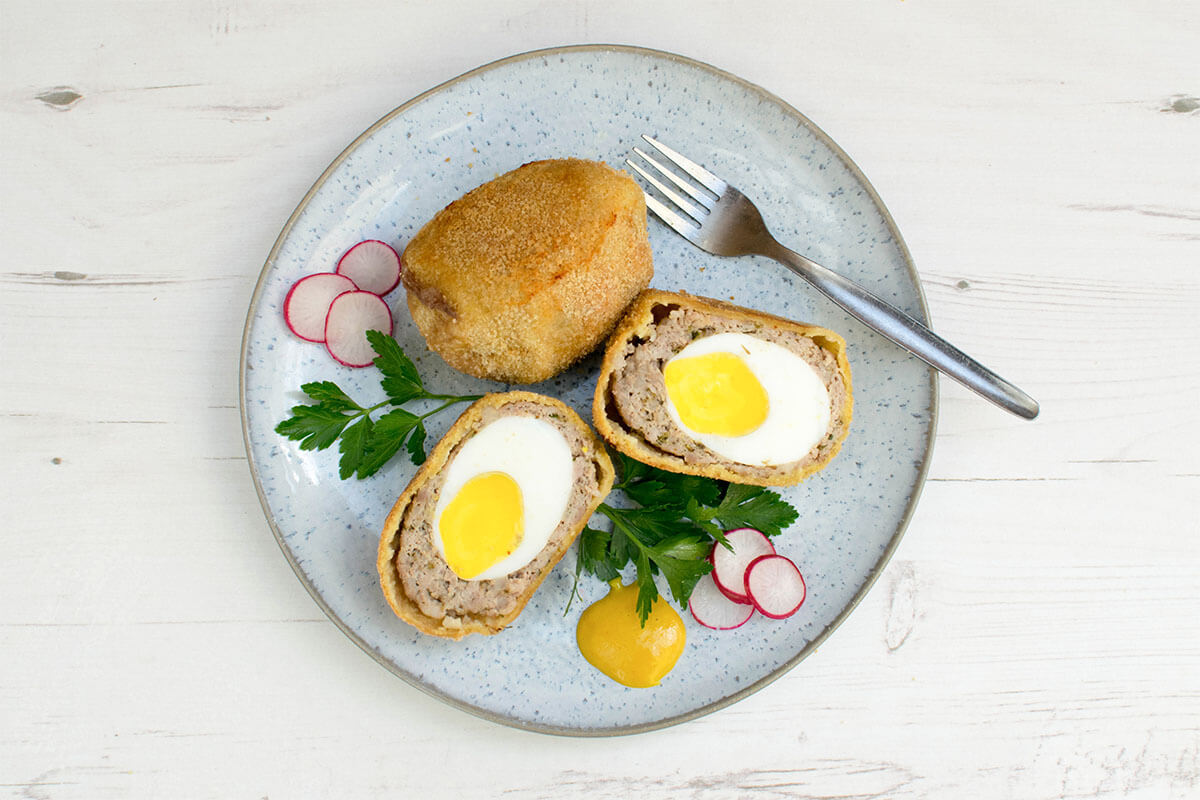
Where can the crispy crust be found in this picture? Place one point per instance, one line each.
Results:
(389, 578)
(638, 323)
(527, 273)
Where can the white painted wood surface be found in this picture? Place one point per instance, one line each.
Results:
(1037, 634)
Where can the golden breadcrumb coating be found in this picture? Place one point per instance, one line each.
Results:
(528, 273)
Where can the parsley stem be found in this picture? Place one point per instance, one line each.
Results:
(618, 523)
(450, 400)
(453, 398)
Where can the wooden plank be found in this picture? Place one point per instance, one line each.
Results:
(1036, 635)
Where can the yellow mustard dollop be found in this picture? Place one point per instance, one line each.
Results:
(716, 393)
(611, 637)
(482, 524)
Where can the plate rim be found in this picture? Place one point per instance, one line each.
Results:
(708, 708)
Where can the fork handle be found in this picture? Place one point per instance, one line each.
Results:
(909, 334)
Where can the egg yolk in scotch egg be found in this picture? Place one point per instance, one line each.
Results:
(483, 524)
(613, 640)
(716, 393)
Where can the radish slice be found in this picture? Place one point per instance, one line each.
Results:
(736, 598)
(776, 586)
(351, 315)
(714, 610)
(372, 265)
(729, 569)
(307, 303)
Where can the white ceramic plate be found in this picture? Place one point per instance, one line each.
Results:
(592, 102)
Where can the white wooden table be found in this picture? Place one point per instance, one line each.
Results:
(1037, 634)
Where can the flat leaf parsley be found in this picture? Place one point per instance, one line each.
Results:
(671, 530)
(367, 444)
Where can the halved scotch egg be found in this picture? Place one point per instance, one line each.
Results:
(493, 509)
(703, 387)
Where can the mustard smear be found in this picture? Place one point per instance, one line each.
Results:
(611, 637)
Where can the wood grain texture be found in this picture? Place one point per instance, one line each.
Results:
(1037, 634)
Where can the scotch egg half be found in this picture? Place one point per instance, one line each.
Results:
(488, 515)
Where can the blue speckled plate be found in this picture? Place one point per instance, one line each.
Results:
(592, 102)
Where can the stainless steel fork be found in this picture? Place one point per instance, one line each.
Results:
(728, 224)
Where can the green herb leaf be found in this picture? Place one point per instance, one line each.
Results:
(674, 493)
(416, 444)
(648, 525)
(593, 554)
(682, 574)
(649, 486)
(353, 446)
(647, 591)
(631, 470)
(315, 427)
(617, 548)
(688, 547)
(401, 381)
(385, 440)
(330, 396)
(754, 507)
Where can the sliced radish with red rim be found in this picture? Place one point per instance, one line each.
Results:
(729, 568)
(739, 599)
(351, 315)
(307, 303)
(712, 609)
(372, 265)
(775, 585)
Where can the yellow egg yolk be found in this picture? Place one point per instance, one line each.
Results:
(716, 393)
(482, 524)
(612, 639)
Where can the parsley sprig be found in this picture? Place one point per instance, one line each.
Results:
(671, 529)
(367, 444)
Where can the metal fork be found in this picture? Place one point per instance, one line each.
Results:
(728, 224)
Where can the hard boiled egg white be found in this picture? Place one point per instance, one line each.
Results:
(505, 492)
(749, 400)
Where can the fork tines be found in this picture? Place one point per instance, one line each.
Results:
(697, 210)
(699, 173)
